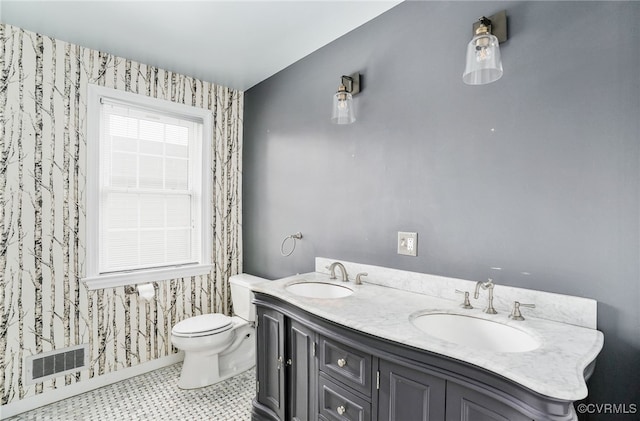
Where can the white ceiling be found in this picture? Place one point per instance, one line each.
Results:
(233, 43)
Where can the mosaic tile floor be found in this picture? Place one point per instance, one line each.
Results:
(154, 396)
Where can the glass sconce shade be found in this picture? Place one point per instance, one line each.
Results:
(343, 107)
(483, 60)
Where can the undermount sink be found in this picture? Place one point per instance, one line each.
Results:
(319, 290)
(474, 332)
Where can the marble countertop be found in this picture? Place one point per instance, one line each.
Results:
(554, 369)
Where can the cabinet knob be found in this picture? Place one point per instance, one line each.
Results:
(341, 409)
(289, 362)
(342, 362)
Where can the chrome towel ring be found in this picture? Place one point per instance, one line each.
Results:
(293, 237)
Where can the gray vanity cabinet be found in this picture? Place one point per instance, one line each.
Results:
(410, 394)
(309, 368)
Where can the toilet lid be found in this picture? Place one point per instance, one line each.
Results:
(206, 324)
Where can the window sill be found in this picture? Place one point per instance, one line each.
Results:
(113, 280)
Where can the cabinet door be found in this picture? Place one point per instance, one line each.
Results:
(409, 394)
(301, 378)
(270, 352)
(464, 404)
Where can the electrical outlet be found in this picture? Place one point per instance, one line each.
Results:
(408, 243)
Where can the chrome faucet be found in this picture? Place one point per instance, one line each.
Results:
(332, 268)
(486, 285)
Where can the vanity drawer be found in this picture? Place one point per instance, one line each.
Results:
(338, 404)
(347, 365)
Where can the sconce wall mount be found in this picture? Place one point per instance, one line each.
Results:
(497, 25)
(352, 83)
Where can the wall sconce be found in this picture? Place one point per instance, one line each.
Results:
(343, 112)
(483, 52)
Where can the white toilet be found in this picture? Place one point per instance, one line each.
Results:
(217, 346)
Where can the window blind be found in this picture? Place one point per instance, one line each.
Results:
(150, 184)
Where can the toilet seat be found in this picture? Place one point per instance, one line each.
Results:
(203, 325)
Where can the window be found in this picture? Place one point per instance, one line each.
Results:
(148, 184)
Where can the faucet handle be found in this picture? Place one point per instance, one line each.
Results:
(515, 313)
(359, 277)
(466, 304)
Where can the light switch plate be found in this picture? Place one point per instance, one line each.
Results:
(408, 243)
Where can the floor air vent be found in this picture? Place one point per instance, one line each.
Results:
(55, 363)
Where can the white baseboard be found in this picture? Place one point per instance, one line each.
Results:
(33, 402)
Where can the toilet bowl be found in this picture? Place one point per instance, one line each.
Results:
(217, 346)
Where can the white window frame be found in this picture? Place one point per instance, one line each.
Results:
(93, 278)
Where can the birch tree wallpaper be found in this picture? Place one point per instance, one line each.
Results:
(44, 305)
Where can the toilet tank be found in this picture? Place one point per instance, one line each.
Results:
(241, 295)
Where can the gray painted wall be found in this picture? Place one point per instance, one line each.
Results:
(538, 173)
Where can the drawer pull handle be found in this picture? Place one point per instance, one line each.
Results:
(342, 362)
(341, 409)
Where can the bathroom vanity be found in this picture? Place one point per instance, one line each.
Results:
(362, 354)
